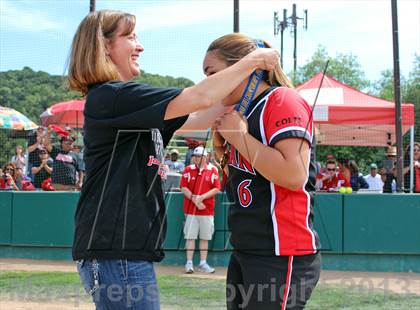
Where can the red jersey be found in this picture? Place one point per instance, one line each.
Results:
(265, 218)
(200, 182)
(335, 183)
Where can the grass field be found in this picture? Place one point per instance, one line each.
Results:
(181, 292)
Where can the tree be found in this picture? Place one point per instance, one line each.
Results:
(163, 81)
(410, 89)
(384, 87)
(412, 93)
(31, 92)
(344, 68)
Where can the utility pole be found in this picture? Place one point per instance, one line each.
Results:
(235, 15)
(292, 21)
(92, 6)
(397, 96)
(280, 26)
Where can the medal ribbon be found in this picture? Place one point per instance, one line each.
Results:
(246, 99)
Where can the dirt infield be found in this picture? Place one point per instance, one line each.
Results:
(399, 283)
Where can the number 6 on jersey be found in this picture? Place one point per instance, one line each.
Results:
(244, 193)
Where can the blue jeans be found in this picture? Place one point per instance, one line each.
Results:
(120, 284)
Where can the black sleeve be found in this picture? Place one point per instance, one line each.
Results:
(54, 152)
(134, 105)
(171, 126)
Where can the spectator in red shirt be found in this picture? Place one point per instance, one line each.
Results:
(199, 183)
(332, 180)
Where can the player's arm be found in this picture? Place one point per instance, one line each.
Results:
(203, 119)
(219, 85)
(290, 156)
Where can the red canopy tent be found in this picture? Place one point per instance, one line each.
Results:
(346, 116)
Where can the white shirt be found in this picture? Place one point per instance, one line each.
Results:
(375, 182)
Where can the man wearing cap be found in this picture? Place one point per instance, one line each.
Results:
(173, 163)
(67, 171)
(199, 183)
(374, 179)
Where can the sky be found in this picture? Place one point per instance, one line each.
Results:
(176, 34)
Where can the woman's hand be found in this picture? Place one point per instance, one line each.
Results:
(265, 58)
(231, 126)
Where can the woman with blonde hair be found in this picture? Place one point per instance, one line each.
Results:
(271, 178)
(120, 218)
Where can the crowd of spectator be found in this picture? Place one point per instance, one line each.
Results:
(45, 166)
(336, 174)
(341, 174)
